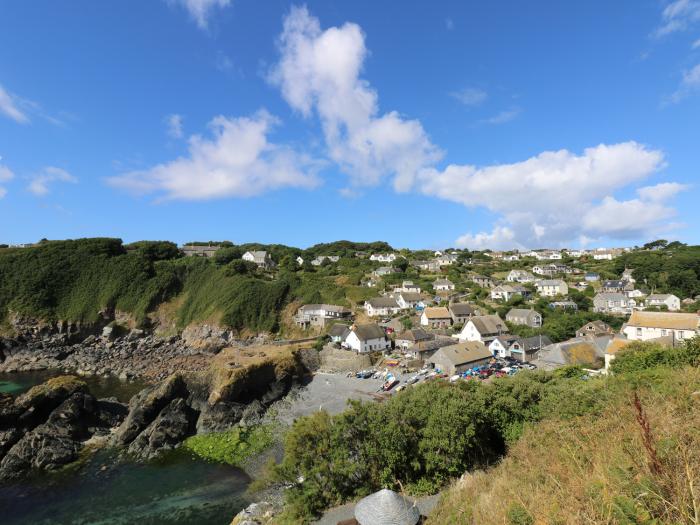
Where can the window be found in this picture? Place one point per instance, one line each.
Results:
(639, 332)
(663, 333)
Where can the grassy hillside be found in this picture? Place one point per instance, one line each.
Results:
(539, 447)
(74, 280)
(636, 462)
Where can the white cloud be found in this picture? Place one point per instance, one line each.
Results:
(200, 10)
(630, 219)
(319, 72)
(689, 84)
(6, 175)
(696, 44)
(542, 199)
(9, 107)
(502, 117)
(471, 96)
(174, 125)
(661, 192)
(39, 184)
(238, 161)
(678, 16)
(501, 238)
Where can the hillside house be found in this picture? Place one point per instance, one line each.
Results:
(520, 276)
(460, 312)
(409, 300)
(338, 332)
(552, 287)
(613, 286)
(525, 317)
(384, 270)
(436, 317)
(409, 338)
(383, 257)
(500, 345)
(594, 329)
(382, 306)
(591, 277)
(318, 261)
(613, 303)
(408, 286)
(505, 292)
(366, 338)
(200, 250)
(627, 275)
(563, 305)
(261, 258)
(643, 326)
(483, 281)
(457, 358)
(668, 300)
(587, 351)
(483, 328)
(299, 260)
(320, 315)
(549, 270)
(446, 259)
(443, 285)
(427, 266)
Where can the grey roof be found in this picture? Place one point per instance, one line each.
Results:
(461, 309)
(597, 327)
(489, 324)
(339, 330)
(521, 313)
(383, 302)
(613, 284)
(610, 296)
(443, 282)
(464, 353)
(551, 282)
(327, 307)
(386, 507)
(410, 296)
(576, 351)
(535, 343)
(416, 334)
(369, 331)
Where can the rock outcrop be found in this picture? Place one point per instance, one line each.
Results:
(47, 427)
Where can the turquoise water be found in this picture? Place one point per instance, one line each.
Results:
(178, 490)
(16, 383)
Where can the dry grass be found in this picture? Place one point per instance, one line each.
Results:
(639, 462)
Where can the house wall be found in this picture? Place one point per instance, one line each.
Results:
(643, 333)
(353, 342)
(469, 332)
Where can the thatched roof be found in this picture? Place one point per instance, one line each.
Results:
(386, 507)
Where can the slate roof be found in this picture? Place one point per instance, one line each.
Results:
(464, 353)
(415, 335)
(489, 324)
(383, 302)
(437, 312)
(462, 309)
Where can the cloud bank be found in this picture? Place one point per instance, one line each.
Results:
(237, 161)
(553, 198)
(39, 185)
(200, 10)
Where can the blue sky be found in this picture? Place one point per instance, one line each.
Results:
(426, 124)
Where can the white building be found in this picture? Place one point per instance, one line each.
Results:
(643, 326)
(520, 276)
(443, 285)
(408, 300)
(366, 338)
(383, 257)
(672, 302)
(382, 306)
(261, 258)
(552, 287)
(483, 328)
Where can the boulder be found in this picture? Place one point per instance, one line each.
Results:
(170, 428)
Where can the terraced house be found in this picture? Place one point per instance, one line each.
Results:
(643, 326)
(320, 315)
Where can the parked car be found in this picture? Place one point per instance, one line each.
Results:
(391, 383)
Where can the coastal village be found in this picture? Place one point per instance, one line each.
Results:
(466, 315)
